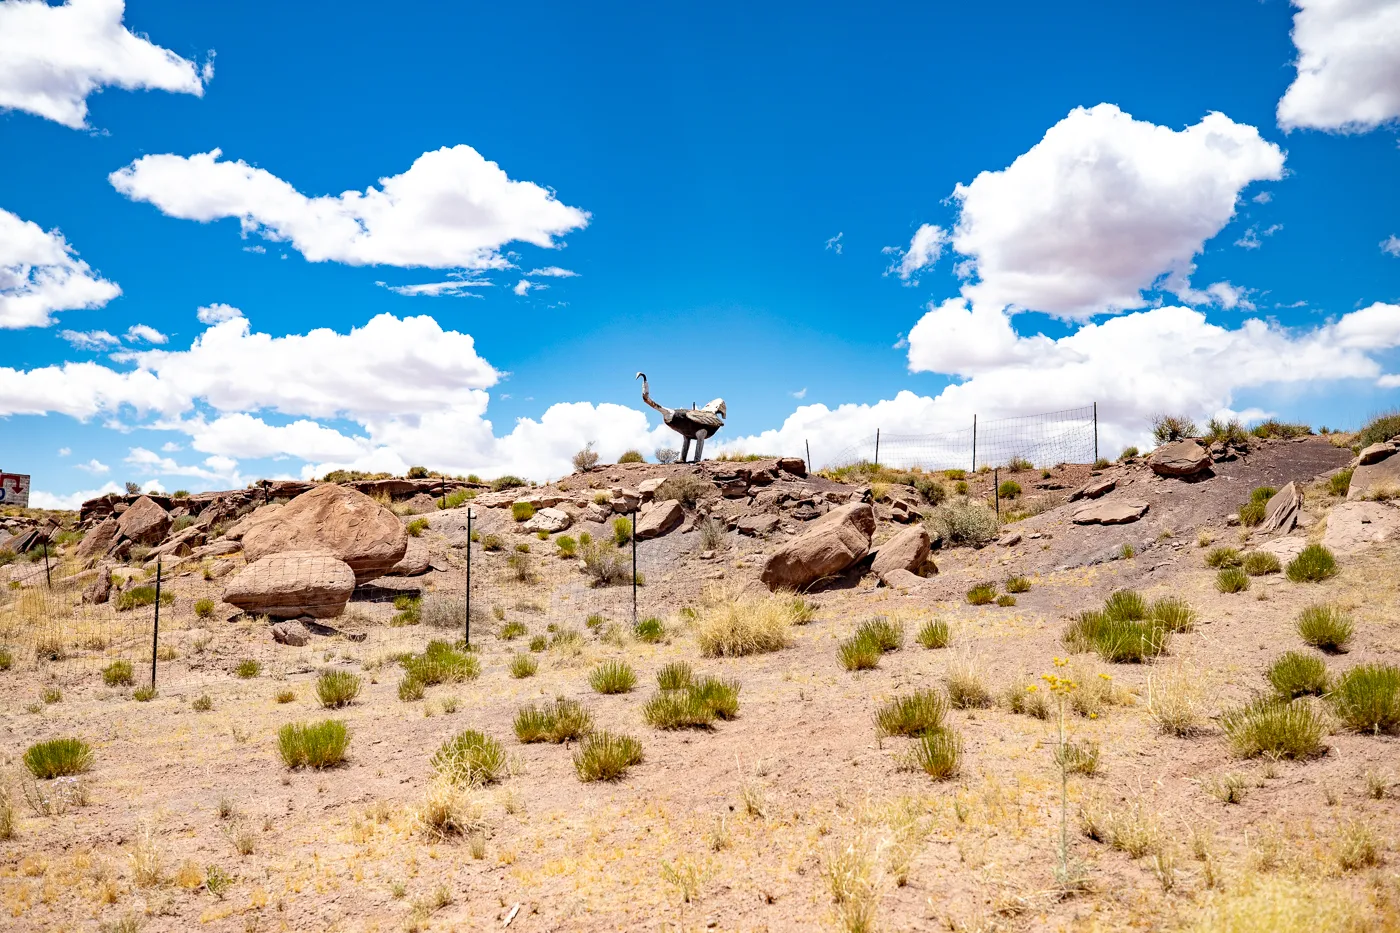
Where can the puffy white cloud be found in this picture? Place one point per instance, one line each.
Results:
(94, 466)
(53, 57)
(924, 251)
(144, 333)
(1133, 365)
(223, 470)
(40, 499)
(90, 340)
(1391, 245)
(1348, 70)
(451, 209)
(244, 435)
(553, 272)
(40, 273)
(525, 286)
(64, 451)
(217, 313)
(1102, 208)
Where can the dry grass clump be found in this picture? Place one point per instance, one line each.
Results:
(983, 594)
(675, 676)
(58, 758)
(317, 745)
(1274, 727)
(1296, 674)
(744, 625)
(1281, 903)
(934, 634)
(1356, 846)
(1260, 563)
(1174, 698)
(1229, 788)
(470, 757)
(1026, 698)
(560, 721)
(967, 684)
(695, 705)
(247, 669)
(1018, 585)
(337, 688)
(1325, 627)
(441, 663)
(937, 754)
(1367, 698)
(604, 564)
(851, 867)
(1313, 564)
(961, 520)
(1231, 580)
(613, 677)
(912, 714)
(1078, 757)
(523, 665)
(1132, 829)
(450, 808)
(1222, 557)
(687, 488)
(606, 756)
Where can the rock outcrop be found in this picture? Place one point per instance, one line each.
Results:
(549, 520)
(333, 520)
(830, 545)
(1354, 526)
(98, 541)
(906, 551)
(1109, 512)
(1378, 471)
(661, 518)
(144, 522)
(1281, 511)
(293, 583)
(1179, 458)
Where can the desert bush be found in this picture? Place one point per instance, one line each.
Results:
(1018, 585)
(667, 455)
(983, 594)
(204, 703)
(512, 629)
(492, 543)
(649, 629)
(711, 534)
(317, 745)
(743, 625)
(1168, 428)
(1326, 627)
(416, 527)
(145, 595)
(1124, 631)
(613, 677)
(337, 688)
(1009, 489)
(938, 754)
(1356, 846)
(605, 565)
(1229, 788)
(932, 491)
(144, 694)
(963, 521)
(568, 547)
(1006, 599)
(204, 608)
(721, 696)
(631, 456)
(1128, 453)
(1313, 564)
(1078, 757)
(51, 695)
(934, 634)
(912, 714)
(1226, 432)
(859, 654)
(506, 482)
(410, 610)
(1231, 580)
(1381, 428)
(675, 676)
(539, 643)
(410, 688)
(1296, 674)
(687, 488)
(1260, 563)
(58, 758)
(7, 659)
(1367, 698)
(621, 530)
(1222, 557)
(470, 757)
(557, 722)
(522, 511)
(1019, 464)
(1280, 429)
(456, 498)
(677, 709)
(889, 635)
(117, 674)
(287, 695)
(967, 684)
(1274, 727)
(1026, 698)
(1174, 613)
(450, 808)
(247, 669)
(521, 569)
(1339, 483)
(441, 663)
(585, 459)
(522, 666)
(606, 756)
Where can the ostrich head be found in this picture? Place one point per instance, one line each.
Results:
(716, 407)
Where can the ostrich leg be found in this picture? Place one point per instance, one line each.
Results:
(685, 448)
(700, 445)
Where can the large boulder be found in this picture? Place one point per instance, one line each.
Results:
(415, 562)
(907, 550)
(1179, 458)
(293, 583)
(1094, 489)
(1281, 511)
(144, 522)
(1378, 476)
(98, 540)
(1354, 526)
(1109, 512)
(548, 519)
(1375, 453)
(337, 521)
(661, 518)
(830, 545)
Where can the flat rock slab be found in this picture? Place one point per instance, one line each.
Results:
(661, 518)
(1374, 477)
(1285, 549)
(297, 583)
(1094, 489)
(755, 526)
(1376, 453)
(1116, 512)
(548, 519)
(1179, 458)
(1355, 526)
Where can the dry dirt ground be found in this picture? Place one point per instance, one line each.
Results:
(738, 827)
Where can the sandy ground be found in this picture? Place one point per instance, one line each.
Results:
(746, 818)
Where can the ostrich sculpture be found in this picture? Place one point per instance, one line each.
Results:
(690, 423)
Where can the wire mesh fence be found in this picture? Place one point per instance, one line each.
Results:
(1069, 436)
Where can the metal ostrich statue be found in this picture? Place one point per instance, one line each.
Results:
(690, 423)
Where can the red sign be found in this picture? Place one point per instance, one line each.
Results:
(14, 490)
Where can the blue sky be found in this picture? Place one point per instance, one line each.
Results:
(696, 167)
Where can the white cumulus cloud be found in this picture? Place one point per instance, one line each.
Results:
(924, 251)
(1103, 208)
(94, 466)
(40, 273)
(217, 313)
(53, 57)
(89, 340)
(144, 333)
(1348, 66)
(451, 209)
(1391, 245)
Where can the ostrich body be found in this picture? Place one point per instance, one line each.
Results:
(690, 423)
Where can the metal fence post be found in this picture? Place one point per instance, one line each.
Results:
(974, 443)
(155, 629)
(634, 569)
(877, 448)
(48, 578)
(1096, 433)
(467, 630)
(996, 489)
(808, 444)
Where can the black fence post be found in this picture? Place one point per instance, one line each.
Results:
(974, 443)
(996, 489)
(877, 448)
(1096, 433)
(634, 569)
(808, 444)
(442, 488)
(467, 631)
(48, 578)
(155, 629)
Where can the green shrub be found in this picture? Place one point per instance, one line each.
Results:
(963, 521)
(1168, 428)
(622, 530)
(58, 758)
(410, 688)
(613, 677)
(802, 611)
(880, 630)
(721, 696)
(595, 621)
(560, 721)
(1313, 564)
(937, 753)
(539, 643)
(1220, 557)
(204, 608)
(144, 694)
(605, 756)
(1117, 639)
(1326, 627)
(247, 669)
(1272, 428)
(118, 674)
(441, 663)
(522, 666)
(7, 659)
(506, 482)
(1018, 585)
(1296, 674)
(522, 547)
(631, 456)
(51, 695)
(859, 653)
(1274, 727)
(1381, 428)
(913, 714)
(983, 594)
(932, 491)
(337, 688)
(492, 543)
(1128, 453)
(1006, 599)
(1259, 563)
(1231, 580)
(1339, 483)
(1009, 489)
(204, 703)
(1251, 514)
(317, 745)
(1125, 606)
(677, 709)
(568, 547)
(456, 498)
(416, 527)
(410, 610)
(934, 634)
(512, 629)
(1367, 698)
(522, 511)
(650, 629)
(1175, 614)
(675, 676)
(144, 595)
(470, 757)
